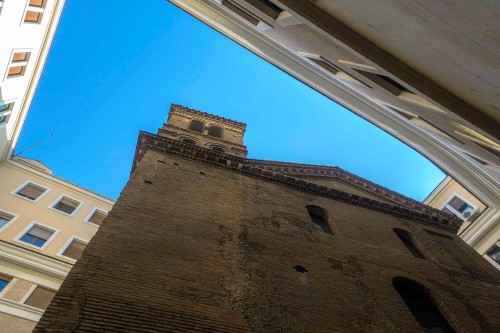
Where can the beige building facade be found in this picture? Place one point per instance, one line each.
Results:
(425, 72)
(45, 224)
(453, 198)
(27, 28)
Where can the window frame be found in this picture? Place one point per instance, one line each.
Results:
(9, 284)
(24, 184)
(30, 292)
(456, 212)
(487, 256)
(12, 220)
(87, 219)
(59, 198)
(31, 8)
(7, 112)
(67, 244)
(17, 239)
(24, 63)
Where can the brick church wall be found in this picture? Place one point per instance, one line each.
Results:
(190, 247)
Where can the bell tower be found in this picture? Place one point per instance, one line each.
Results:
(205, 130)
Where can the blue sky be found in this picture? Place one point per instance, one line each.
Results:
(111, 73)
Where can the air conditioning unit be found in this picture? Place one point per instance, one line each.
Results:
(470, 214)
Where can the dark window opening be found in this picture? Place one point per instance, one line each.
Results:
(218, 149)
(215, 131)
(197, 126)
(405, 237)
(189, 141)
(384, 82)
(325, 65)
(300, 269)
(319, 218)
(66, 205)
(241, 12)
(267, 7)
(419, 302)
(494, 254)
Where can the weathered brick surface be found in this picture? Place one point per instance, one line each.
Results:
(205, 249)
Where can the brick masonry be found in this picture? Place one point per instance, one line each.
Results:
(200, 241)
(204, 249)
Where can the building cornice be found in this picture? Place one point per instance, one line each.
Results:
(20, 310)
(340, 175)
(174, 107)
(60, 181)
(34, 261)
(149, 141)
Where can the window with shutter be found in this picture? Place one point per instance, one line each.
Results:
(37, 236)
(75, 249)
(4, 281)
(31, 191)
(97, 217)
(5, 218)
(66, 205)
(40, 297)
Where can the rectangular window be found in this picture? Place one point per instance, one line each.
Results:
(37, 236)
(75, 249)
(40, 297)
(266, 7)
(4, 219)
(31, 192)
(66, 205)
(18, 64)
(97, 217)
(384, 82)
(34, 11)
(5, 110)
(4, 281)
(460, 208)
(245, 14)
(494, 253)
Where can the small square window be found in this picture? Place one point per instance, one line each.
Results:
(18, 64)
(4, 281)
(37, 236)
(75, 249)
(5, 106)
(34, 11)
(40, 297)
(37, 3)
(67, 205)
(97, 217)
(31, 192)
(494, 253)
(4, 219)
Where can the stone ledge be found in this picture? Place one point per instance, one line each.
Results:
(149, 141)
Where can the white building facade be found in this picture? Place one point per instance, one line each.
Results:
(27, 28)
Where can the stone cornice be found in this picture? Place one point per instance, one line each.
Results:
(149, 141)
(230, 122)
(338, 174)
(34, 261)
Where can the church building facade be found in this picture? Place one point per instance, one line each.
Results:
(203, 239)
